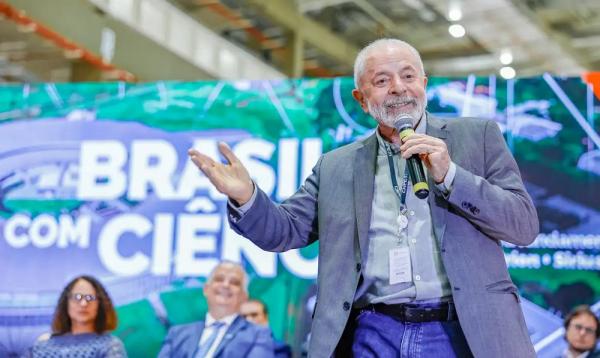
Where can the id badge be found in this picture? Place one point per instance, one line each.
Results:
(400, 268)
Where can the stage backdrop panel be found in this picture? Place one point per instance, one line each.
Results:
(95, 179)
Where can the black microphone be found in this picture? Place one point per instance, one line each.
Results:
(404, 127)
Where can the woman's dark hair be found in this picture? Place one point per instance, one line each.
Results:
(106, 319)
(579, 310)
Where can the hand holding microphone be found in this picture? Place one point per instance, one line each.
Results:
(419, 149)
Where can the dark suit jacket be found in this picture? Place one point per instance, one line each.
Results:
(488, 204)
(282, 349)
(242, 339)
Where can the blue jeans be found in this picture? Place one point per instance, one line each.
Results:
(378, 335)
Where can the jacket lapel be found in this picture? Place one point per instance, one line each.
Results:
(364, 181)
(194, 341)
(439, 206)
(236, 325)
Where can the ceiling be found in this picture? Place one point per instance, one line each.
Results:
(25, 57)
(558, 36)
(321, 37)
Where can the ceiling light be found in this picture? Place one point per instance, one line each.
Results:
(454, 13)
(506, 57)
(457, 30)
(107, 44)
(507, 72)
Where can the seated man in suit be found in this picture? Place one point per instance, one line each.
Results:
(256, 311)
(581, 333)
(223, 333)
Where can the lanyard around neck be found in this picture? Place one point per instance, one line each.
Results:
(401, 193)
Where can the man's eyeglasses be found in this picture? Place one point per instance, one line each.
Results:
(79, 297)
(586, 330)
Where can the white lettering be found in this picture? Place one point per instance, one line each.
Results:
(74, 233)
(261, 172)
(43, 231)
(152, 165)
(299, 265)
(101, 173)
(190, 242)
(108, 244)
(263, 262)
(312, 148)
(287, 166)
(162, 245)
(17, 222)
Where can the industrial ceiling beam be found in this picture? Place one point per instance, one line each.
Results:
(82, 23)
(286, 14)
(499, 24)
(562, 41)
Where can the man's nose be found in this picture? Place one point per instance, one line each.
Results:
(397, 86)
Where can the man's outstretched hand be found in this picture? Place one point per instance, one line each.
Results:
(231, 179)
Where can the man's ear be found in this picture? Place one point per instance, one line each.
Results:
(360, 98)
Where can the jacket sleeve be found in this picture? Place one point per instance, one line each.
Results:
(292, 224)
(497, 203)
(263, 346)
(166, 350)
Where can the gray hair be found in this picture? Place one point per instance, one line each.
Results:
(233, 263)
(361, 58)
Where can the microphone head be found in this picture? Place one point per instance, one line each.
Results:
(405, 121)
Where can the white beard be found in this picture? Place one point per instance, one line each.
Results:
(382, 116)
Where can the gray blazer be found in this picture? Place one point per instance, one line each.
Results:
(488, 204)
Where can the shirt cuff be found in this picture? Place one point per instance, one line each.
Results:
(446, 186)
(241, 210)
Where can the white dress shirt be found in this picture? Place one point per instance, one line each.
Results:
(209, 328)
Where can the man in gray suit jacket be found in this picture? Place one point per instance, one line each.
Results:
(224, 333)
(399, 275)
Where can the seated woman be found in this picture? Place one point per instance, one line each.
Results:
(82, 321)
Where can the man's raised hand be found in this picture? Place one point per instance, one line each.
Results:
(231, 179)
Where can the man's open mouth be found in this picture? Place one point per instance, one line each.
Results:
(400, 104)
